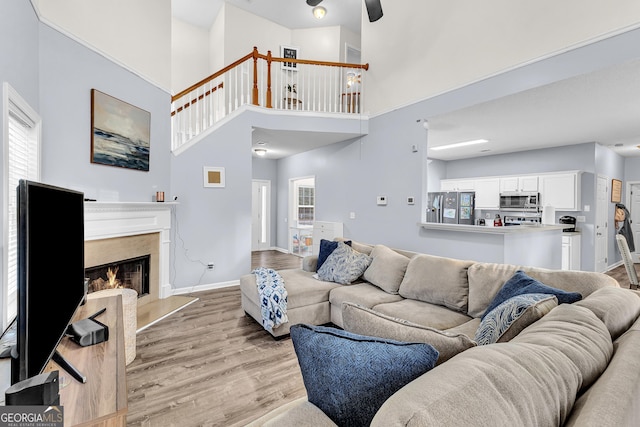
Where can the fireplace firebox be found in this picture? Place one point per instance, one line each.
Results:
(132, 273)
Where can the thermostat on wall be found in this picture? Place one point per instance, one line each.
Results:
(382, 200)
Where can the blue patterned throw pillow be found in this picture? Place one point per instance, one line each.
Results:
(520, 283)
(512, 316)
(344, 265)
(349, 376)
(326, 248)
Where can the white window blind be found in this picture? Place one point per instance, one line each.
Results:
(22, 150)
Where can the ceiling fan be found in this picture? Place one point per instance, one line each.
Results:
(374, 8)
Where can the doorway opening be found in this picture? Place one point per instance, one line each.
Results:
(261, 215)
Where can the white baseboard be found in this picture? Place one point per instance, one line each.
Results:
(612, 266)
(205, 287)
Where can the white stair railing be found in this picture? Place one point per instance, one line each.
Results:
(279, 83)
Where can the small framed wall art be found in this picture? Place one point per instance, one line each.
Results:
(213, 176)
(292, 53)
(120, 133)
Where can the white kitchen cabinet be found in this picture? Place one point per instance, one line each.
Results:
(457, 185)
(527, 183)
(571, 252)
(562, 191)
(325, 230)
(487, 193)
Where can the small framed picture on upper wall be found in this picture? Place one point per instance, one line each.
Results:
(289, 52)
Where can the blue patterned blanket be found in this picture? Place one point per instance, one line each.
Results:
(273, 297)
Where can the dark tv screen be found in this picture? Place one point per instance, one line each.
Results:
(50, 271)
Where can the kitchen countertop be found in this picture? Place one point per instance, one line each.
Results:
(492, 230)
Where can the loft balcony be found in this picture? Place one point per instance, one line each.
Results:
(286, 84)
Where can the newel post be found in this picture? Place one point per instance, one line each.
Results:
(269, 105)
(255, 76)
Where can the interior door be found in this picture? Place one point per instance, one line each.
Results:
(634, 211)
(260, 211)
(601, 247)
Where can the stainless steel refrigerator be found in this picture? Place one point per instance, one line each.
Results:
(451, 207)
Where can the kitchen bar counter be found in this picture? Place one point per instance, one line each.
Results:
(505, 229)
(526, 245)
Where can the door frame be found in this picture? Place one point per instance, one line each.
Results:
(266, 219)
(635, 256)
(601, 207)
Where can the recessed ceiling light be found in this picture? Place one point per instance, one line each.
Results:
(260, 151)
(460, 144)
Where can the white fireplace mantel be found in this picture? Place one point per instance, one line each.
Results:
(105, 220)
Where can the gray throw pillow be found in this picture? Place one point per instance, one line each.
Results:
(387, 269)
(510, 317)
(344, 265)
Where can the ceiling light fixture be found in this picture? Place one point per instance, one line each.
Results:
(260, 151)
(319, 12)
(460, 144)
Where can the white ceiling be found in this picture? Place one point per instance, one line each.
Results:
(602, 107)
(280, 143)
(293, 14)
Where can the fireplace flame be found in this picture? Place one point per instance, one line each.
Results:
(111, 277)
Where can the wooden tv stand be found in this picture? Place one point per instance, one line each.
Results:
(102, 400)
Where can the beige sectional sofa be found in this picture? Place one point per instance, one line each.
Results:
(578, 365)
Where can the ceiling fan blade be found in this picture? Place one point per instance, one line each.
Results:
(313, 2)
(374, 9)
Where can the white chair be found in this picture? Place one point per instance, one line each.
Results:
(627, 260)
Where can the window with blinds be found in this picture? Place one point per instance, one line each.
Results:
(22, 161)
(306, 205)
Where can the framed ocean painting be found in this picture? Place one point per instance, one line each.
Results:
(120, 133)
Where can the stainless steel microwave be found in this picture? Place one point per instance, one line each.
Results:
(521, 201)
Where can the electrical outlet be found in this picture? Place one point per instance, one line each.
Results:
(352, 215)
(411, 200)
(210, 266)
(581, 218)
(382, 200)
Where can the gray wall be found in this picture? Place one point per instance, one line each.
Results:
(68, 72)
(213, 224)
(55, 75)
(18, 67)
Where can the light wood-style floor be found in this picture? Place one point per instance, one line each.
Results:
(211, 365)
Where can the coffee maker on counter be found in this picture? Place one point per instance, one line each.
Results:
(569, 221)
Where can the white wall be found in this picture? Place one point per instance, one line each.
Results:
(216, 42)
(318, 44)
(243, 31)
(189, 55)
(420, 49)
(134, 33)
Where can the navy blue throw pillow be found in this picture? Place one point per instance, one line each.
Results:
(520, 283)
(326, 248)
(349, 376)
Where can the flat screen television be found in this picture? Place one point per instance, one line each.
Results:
(50, 273)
